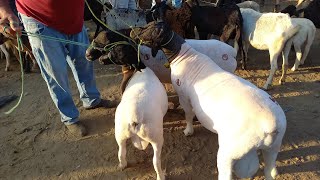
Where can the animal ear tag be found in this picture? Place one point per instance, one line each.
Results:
(167, 65)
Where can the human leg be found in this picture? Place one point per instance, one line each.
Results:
(51, 57)
(83, 70)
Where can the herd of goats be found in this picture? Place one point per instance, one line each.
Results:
(159, 46)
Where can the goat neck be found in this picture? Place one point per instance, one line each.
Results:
(127, 72)
(172, 45)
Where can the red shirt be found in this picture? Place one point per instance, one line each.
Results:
(65, 16)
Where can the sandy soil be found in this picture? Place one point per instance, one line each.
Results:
(34, 144)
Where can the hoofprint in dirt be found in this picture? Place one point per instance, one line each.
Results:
(34, 144)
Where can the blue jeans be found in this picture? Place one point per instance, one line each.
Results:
(53, 58)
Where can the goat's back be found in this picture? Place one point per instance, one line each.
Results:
(211, 93)
(145, 92)
(264, 28)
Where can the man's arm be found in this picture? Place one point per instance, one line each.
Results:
(7, 17)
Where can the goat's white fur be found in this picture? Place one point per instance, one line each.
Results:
(7, 56)
(268, 31)
(221, 53)
(249, 4)
(245, 121)
(139, 116)
(305, 36)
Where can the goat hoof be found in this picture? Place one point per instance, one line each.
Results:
(35, 69)
(122, 166)
(7, 69)
(293, 69)
(188, 132)
(267, 87)
(281, 82)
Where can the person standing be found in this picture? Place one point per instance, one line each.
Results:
(63, 20)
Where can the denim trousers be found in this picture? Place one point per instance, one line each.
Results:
(53, 58)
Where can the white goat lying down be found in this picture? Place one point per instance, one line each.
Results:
(305, 36)
(139, 116)
(268, 31)
(221, 53)
(245, 117)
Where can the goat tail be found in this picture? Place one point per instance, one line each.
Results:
(139, 143)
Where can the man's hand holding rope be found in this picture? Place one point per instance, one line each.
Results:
(9, 22)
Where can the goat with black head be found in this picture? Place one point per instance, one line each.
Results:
(113, 48)
(310, 9)
(227, 22)
(124, 53)
(249, 117)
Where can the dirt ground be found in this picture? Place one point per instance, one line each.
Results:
(34, 144)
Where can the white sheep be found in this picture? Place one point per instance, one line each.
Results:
(249, 4)
(268, 31)
(221, 53)
(245, 117)
(304, 36)
(139, 116)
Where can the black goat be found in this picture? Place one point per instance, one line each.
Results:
(225, 21)
(291, 10)
(312, 12)
(122, 54)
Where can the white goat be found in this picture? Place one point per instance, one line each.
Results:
(7, 56)
(221, 53)
(139, 116)
(268, 31)
(249, 4)
(245, 121)
(305, 36)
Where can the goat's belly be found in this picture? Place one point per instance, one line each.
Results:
(256, 43)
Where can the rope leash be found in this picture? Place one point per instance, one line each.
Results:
(25, 33)
(119, 18)
(22, 76)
